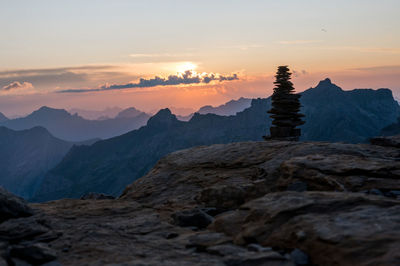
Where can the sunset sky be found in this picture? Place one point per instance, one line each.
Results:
(92, 54)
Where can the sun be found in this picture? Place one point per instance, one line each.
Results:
(182, 67)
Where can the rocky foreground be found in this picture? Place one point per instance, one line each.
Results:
(251, 203)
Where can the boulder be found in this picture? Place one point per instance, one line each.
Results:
(392, 141)
(12, 206)
(16, 230)
(228, 175)
(36, 254)
(332, 228)
(196, 218)
(96, 196)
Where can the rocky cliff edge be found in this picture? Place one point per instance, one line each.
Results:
(251, 203)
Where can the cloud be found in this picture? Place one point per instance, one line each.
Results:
(300, 42)
(299, 73)
(66, 77)
(188, 77)
(392, 68)
(16, 85)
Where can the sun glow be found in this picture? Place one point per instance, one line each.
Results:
(185, 66)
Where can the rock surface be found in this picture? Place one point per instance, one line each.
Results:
(250, 203)
(12, 206)
(392, 141)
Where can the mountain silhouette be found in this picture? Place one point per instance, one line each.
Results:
(70, 127)
(25, 157)
(108, 166)
(107, 113)
(229, 108)
(332, 114)
(129, 113)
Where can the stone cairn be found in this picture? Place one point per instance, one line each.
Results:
(285, 108)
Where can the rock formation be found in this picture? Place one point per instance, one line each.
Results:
(249, 203)
(285, 108)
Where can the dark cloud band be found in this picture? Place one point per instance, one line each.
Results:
(188, 77)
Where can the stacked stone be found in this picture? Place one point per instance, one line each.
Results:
(285, 108)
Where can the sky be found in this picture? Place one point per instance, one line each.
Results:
(152, 54)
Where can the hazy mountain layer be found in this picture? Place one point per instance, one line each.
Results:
(108, 166)
(110, 112)
(230, 108)
(25, 157)
(3, 118)
(129, 113)
(69, 127)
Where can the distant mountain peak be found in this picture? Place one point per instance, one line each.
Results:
(164, 117)
(229, 108)
(46, 111)
(325, 86)
(49, 109)
(326, 81)
(129, 112)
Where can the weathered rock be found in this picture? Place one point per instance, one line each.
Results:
(297, 186)
(241, 188)
(394, 194)
(334, 224)
(12, 206)
(204, 240)
(257, 248)
(123, 232)
(96, 196)
(37, 253)
(393, 141)
(340, 172)
(252, 169)
(299, 257)
(15, 230)
(194, 217)
(3, 262)
(253, 258)
(226, 249)
(375, 191)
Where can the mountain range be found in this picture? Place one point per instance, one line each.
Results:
(354, 116)
(230, 108)
(66, 126)
(25, 157)
(107, 113)
(331, 114)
